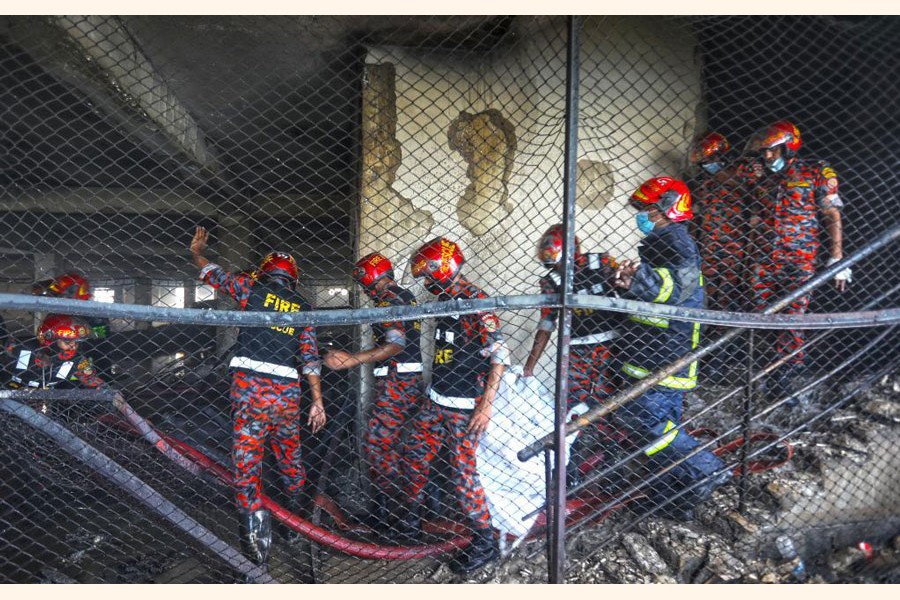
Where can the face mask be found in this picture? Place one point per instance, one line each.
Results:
(643, 222)
(776, 165)
(712, 168)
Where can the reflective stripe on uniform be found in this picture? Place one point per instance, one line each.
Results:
(670, 434)
(24, 359)
(242, 362)
(64, 369)
(665, 289)
(676, 383)
(661, 322)
(452, 401)
(594, 338)
(401, 369)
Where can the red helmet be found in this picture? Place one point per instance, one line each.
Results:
(550, 246)
(782, 132)
(672, 196)
(371, 268)
(70, 285)
(280, 264)
(708, 147)
(438, 260)
(62, 327)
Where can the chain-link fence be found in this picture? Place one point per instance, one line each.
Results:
(666, 241)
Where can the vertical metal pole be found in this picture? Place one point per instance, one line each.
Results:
(549, 502)
(556, 567)
(745, 425)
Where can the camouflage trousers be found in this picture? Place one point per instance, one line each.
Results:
(265, 409)
(774, 279)
(396, 399)
(433, 427)
(590, 381)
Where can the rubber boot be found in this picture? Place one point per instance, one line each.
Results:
(378, 517)
(301, 504)
(482, 551)
(256, 535)
(408, 528)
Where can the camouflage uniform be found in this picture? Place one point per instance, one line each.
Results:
(465, 348)
(398, 391)
(788, 204)
(591, 371)
(722, 238)
(266, 394)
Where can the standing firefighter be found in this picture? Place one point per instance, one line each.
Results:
(792, 199)
(590, 360)
(265, 387)
(398, 381)
(668, 273)
(720, 202)
(470, 356)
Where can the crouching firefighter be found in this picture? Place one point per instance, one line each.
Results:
(55, 361)
(668, 273)
(265, 388)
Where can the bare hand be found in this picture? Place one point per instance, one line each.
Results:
(316, 417)
(338, 359)
(480, 419)
(201, 237)
(624, 274)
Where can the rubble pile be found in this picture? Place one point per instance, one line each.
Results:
(798, 500)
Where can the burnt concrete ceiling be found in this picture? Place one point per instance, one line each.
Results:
(274, 100)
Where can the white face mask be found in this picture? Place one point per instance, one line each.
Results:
(712, 168)
(776, 165)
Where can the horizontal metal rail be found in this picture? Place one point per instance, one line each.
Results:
(617, 401)
(195, 316)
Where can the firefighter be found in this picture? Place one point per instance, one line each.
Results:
(265, 388)
(719, 197)
(668, 273)
(76, 287)
(793, 199)
(590, 357)
(56, 360)
(470, 356)
(398, 381)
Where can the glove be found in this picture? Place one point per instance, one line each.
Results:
(845, 275)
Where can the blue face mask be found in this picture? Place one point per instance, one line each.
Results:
(712, 168)
(643, 222)
(776, 165)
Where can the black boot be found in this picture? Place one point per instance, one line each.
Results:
(480, 552)
(256, 535)
(300, 504)
(408, 529)
(379, 515)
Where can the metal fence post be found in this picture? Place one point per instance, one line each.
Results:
(556, 568)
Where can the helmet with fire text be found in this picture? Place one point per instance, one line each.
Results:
(709, 149)
(371, 268)
(671, 196)
(437, 261)
(784, 134)
(280, 264)
(56, 328)
(550, 247)
(70, 285)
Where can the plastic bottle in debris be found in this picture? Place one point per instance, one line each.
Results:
(788, 552)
